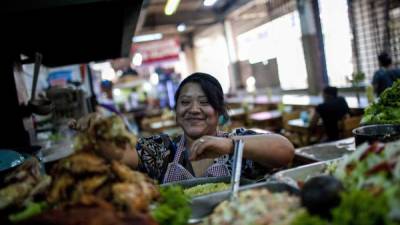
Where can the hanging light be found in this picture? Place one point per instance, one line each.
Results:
(181, 27)
(171, 7)
(147, 37)
(209, 2)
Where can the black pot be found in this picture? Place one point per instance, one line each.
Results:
(379, 132)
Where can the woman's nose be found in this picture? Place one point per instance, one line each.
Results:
(194, 107)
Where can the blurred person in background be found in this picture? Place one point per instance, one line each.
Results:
(385, 75)
(106, 104)
(333, 109)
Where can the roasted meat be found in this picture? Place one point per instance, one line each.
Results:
(59, 188)
(130, 196)
(83, 162)
(94, 176)
(126, 174)
(88, 215)
(88, 186)
(21, 184)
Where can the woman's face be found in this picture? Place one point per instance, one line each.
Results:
(194, 113)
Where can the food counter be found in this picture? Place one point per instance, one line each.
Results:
(86, 187)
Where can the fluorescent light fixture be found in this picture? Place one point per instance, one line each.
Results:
(137, 59)
(171, 6)
(181, 27)
(209, 2)
(147, 37)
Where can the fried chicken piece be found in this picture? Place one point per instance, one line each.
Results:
(150, 190)
(85, 123)
(83, 162)
(126, 174)
(83, 142)
(88, 186)
(104, 191)
(23, 183)
(14, 193)
(59, 188)
(112, 129)
(130, 196)
(29, 169)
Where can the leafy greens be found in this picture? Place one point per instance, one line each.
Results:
(387, 109)
(173, 208)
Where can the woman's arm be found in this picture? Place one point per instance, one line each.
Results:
(130, 158)
(271, 150)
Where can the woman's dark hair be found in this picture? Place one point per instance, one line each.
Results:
(212, 89)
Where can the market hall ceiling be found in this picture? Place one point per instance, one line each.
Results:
(190, 12)
(197, 16)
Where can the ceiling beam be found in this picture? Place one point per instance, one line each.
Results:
(188, 17)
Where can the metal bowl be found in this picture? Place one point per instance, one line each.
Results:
(379, 132)
(41, 106)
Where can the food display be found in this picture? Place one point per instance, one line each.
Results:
(361, 188)
(105, 136)
(256, 207)
(387, 109)
(20, 186)
(85, 177)
(173, 207)
(88, 174)
(203, 189)
(371, 194)
(92, 186)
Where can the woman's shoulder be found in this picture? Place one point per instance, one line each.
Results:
(159, 139)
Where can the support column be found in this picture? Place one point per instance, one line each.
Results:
(234, 66)
(189, 54)
(313, 45)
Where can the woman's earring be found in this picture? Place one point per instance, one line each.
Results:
(222, 120)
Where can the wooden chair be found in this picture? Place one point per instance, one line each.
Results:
(286, 116)
(286, 128)
(347, 125)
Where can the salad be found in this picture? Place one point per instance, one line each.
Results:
(387, 109)
(371, 178)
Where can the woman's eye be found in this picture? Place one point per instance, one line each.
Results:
(204, 102)
(185, 102)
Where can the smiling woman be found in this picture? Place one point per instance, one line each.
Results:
(203, 150)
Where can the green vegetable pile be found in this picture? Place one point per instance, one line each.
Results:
(173, 208)
(371, 177)
(32, 209)
(358, 207)
(203, 189)
(387, 109)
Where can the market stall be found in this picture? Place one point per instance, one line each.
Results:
(86, 180)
